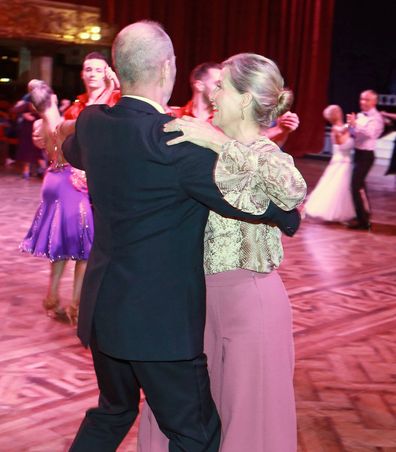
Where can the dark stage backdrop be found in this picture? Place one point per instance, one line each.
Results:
(297, 34)
(364, 50)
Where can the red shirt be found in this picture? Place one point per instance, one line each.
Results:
(81, 102)
(178, 112)
(186, 110)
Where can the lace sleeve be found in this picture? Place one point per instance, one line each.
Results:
(250, 176)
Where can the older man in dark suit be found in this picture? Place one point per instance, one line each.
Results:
(142, 308)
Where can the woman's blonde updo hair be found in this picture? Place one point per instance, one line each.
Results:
(260, 77)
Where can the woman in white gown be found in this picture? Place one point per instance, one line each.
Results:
(331, 199)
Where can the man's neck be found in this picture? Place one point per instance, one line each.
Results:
(147, 91)
(370, 110)
(93, 94)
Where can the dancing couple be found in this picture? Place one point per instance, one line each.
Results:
(152, 181)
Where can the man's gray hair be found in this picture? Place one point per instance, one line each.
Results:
(372, 92)
(138, 51)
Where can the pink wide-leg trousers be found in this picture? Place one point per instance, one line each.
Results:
(249, 344)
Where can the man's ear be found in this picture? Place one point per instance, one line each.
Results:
(198, 86)
(165, 71)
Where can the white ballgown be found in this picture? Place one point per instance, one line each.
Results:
(331, 199)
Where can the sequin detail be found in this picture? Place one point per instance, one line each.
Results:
(79, 180)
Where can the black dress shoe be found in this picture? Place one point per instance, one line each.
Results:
(360, 226)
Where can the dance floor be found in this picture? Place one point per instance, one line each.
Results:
(342, 285)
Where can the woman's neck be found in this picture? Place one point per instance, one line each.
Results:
(244, 131)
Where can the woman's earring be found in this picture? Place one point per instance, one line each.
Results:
(242, 115)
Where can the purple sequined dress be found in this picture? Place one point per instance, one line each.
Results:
(63, 225)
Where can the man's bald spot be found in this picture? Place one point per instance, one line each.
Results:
(138, 49)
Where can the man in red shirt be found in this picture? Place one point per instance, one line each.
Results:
(203, 81)
(101, 87)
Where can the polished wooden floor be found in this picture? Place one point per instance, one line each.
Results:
(342, 284)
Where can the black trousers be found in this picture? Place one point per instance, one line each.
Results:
(362, 163)
(178, 393)
(392, 165)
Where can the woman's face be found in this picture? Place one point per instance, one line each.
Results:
(334, 116)
(227, 103)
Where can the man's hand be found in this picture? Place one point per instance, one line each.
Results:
(351, 119)
(288, 121)
(285, 124)
(111, 79)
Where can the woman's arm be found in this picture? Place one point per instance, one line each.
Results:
(198, 132)
(248, 176)
(388, 115)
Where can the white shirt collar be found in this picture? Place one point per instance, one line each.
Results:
(372, 112)
(154, 104)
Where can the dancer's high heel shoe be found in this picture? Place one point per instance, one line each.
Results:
(72, 314)
(53, 309)
(50, 305)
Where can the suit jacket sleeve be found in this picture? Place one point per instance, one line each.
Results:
(195, 167)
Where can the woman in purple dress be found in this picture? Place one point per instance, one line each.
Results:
(62, 228)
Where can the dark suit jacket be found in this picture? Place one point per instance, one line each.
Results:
(144, 287)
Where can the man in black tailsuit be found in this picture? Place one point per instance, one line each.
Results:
(142, 307)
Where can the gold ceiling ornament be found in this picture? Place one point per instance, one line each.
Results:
(53, 21)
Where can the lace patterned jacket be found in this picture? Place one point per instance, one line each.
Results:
(249, 177)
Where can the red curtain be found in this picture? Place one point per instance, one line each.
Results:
(294, 33)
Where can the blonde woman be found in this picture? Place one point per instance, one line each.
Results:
(331, 199)
(248, 334)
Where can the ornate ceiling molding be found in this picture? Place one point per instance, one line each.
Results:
(52, 21)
